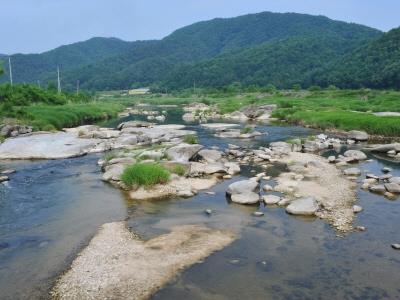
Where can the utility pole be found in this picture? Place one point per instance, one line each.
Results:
(38, 83)
(58, 80)
(77, 87)
(10, 67)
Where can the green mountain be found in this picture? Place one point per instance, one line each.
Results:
(263, 48)
(375, 65)
(33, 67)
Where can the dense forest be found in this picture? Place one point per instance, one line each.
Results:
(252, 50)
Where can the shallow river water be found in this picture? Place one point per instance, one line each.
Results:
(50, 209)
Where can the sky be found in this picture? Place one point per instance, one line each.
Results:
(34, 26)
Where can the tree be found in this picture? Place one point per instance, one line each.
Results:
(1, 70)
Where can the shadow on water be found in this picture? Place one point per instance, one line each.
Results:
(50, 209)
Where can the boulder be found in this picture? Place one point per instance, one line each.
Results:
(241, 187)
(246, 198)
(385, 148)
(358, 135)
(183, 152)
(392, 188)
(303, 206)
(210, 155)
(355, 154)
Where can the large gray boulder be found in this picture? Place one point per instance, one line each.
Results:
(242, 187)
(303, 206)
(393, 188)
(355, 154)
(183, 152)
(358, 135)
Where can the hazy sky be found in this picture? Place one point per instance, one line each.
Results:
(31, 26)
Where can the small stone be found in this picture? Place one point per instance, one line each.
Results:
(210, 193)
(360, 228)
(234, 261)
(357, 208)
(4, 178)
(258, 213)
(268, 188)
(386, 170)
(386, 177)
(7, 172)
(266, 177)
(389, 195)
(331, 159)
(284, 202)
(396, 246)
(227, 176)
(352, 172)
(208, 211)
(372, 176)
(271, 199)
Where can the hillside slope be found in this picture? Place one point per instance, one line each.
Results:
(375, 65)
(33, 67)
(277, 48)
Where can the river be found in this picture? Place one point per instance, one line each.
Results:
(49, 210)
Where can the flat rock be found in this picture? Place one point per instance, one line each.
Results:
(357, 208)
(352, 172)
(377, 188)
(392, 188)
(4, 178)
(46, 146)
(358, 135)
(303, 206)
(246, 198)
(219, 126)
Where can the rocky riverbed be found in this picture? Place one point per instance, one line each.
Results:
(313, 178)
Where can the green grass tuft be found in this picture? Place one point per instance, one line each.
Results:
(190, 139)
(145, 174)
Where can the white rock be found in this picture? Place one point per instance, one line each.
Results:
(303, 206)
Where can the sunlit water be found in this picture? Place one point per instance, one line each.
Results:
(51, 209)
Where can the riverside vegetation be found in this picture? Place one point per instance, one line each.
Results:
(325, 109)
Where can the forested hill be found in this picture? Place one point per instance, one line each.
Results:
(375, 65)
(33, 67)
(259, 48)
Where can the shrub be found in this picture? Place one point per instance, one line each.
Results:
(190, 139)
(145, 174)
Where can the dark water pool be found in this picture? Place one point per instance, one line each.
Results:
(51, 209)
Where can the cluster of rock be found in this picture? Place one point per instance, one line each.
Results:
(7, 130)
(200, 112)
(311, 187)
(252, 113)
(391, 150)
(151, 114)
(385, 184)
(203, 167)
(224, 130)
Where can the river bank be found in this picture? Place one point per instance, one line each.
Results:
(150, 218)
